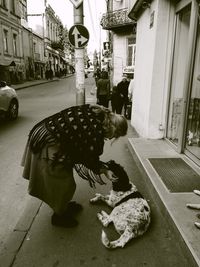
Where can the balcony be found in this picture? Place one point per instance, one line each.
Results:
(36, 57)
(116, 19)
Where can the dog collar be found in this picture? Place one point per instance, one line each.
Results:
(135, 194)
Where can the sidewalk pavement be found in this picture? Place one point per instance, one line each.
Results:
(36, 82)
(172, 204)
(35, 243)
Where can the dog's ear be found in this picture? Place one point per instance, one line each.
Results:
(111, 162)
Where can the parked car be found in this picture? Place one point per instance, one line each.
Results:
(9, 103)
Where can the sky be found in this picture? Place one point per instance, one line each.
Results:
(93, 10)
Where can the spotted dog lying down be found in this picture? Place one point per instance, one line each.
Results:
(131, 212)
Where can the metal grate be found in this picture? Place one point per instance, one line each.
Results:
(176, 174)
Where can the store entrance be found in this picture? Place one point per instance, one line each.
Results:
(176, 103)
(183, 128)
(193, 118)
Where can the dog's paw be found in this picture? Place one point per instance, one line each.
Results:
(193, 206)
(197, 192)
(99, 216)
(93, 200)
(197, 225)
(96, 198)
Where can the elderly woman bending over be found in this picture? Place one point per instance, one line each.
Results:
(71, 138)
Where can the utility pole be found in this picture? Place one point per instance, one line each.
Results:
(79, 37)
(79, 60)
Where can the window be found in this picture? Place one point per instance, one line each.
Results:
(34, 47)
(193, 126)
(23, 11)
(15, 44)
(131, 51)
(51, 31)
(12, 6)
(48, 33)
(5, 40)
(3, 3)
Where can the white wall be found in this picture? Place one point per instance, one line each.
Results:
(153, 48)
(120, 53)
(119, 60)
(145, 49)
(120, 4)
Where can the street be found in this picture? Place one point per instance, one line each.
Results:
(45, 245)
(35, 103)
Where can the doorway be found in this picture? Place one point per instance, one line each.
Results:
(179, 63)
(192, 143)
(183, 124)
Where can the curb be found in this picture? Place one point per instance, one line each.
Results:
(33, 84)
(18, 235)
(38, 83)
(162, 205)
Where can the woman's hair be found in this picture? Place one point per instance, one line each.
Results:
(115, 125)
(119, 125)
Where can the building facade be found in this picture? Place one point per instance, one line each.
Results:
(121, 39)
(166, 99)
(44, 21)
(54, 54)
(12, 67)
(33, 52)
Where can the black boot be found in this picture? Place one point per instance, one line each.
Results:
(63, 221)
(73, 208)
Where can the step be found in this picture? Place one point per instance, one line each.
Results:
(172, 205)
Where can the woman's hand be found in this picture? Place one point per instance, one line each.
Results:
(109, 174)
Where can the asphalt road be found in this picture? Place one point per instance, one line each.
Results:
(36, 103)
(47, 246)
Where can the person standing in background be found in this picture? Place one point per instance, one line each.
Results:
(114, 99)
(103, 90)
(122, 94)
(97, 75)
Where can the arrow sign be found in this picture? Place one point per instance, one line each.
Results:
(106, 45)
(78, 36)
(76, 3)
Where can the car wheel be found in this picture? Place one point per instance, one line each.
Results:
(12, 113)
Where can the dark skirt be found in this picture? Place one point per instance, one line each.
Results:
(54, 185)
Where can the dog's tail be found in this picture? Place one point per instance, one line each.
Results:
(105, 239)
(120, 242)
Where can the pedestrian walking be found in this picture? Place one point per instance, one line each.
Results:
(97, 75)
(70, 139)
(103, 90)
(51, 74)
(114, 99)
(122, 94)
(47, 74)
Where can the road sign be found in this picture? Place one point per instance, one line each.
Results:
(106, 45)
(76, 3)
(78, 36)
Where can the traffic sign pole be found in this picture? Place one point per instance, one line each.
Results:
(79, 59)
